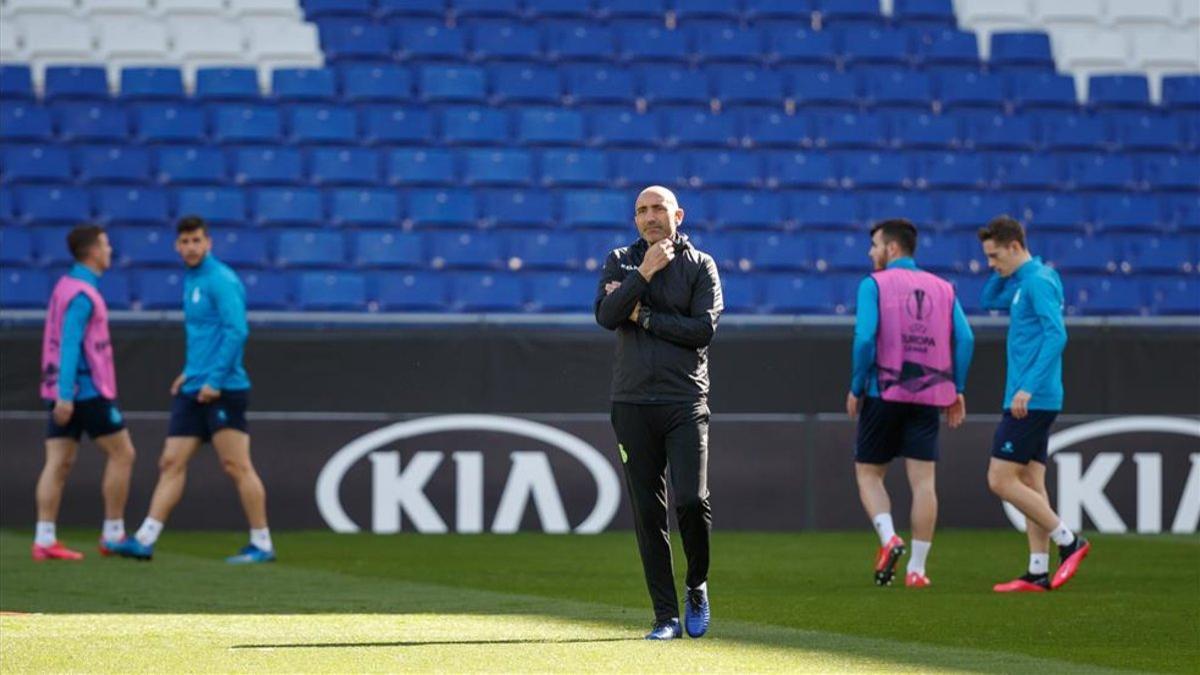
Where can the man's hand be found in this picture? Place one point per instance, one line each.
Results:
(1020, 404)
(853, 405)
(657, 257)
(207, 394)
(611, 286)
(177, 384)
(636, 308)
(63, 410)
(956, 412)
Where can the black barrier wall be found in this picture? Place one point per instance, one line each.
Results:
(493, 429)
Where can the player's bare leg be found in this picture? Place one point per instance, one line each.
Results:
(60, 457)
(922, 480)
(233, 449)
(878, 506)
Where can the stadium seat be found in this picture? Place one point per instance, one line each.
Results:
(131, 40)
(286, 206)
(525, 83)
(290, 85)
(151, 84)
(726, 43)
(159, 289)
(821, 86)
(596, 208)
(598, 84)
(950, 170)
(519, 208)
(772, 128)
(876, 45)
(267, 290)
(465, 250)
(971, 88)
(798, 294)
(219, 206)
(849, 130)
(742, 85)
(971, 210)
(480, 292)
(429, 41)
(651, 43)
(915, 206)
(75, 82)
(21, 121)
(35, 164)
(613, 127)
(496, 167)
(1052, 211)
(364, 208)
(51, 246)
(1177, 296)
(716, 168)
(344, 166)
(1042, 90)
(823, 210)
(316, 9)
(1171, 172)
(924, 12)
(1181, 91)
(948, 47)
(574, 168)
(1143, 254)
(227, 84)
(417, 291)
(747, 209)
(192, 165)
(545, 250)
(803, 169)
(112, 165)
(661, 84)
(386, 249)
(1100, 172)
(584, 41)
(895, 87)
(1118, 91)
(639, 168)
(310, 248)
(24, 289)
(1125, 212)
(246, 124)
(923, 130)
(356, 43)
(493, 41)
(557, 9)
(799, 43)
(168, 123)
(1023, 170)
(776, 252)
(144, 247)
(96, 123)
(16, 247)
(16, 83)
(868, 169)
(698, 128)
(1021, 49)
(558, 292)
(53, 205)
(332, 291)
(549, 126)
(475, 126)
(1103, 295)
(266, 165)
(375, 83)
(1002, 132)
(241, 247)
(452, 208)
(131, 206)
(1137, 130)
(420, 167)
(452, 84)
(1071, 131)
(321, 124)
(397, 126)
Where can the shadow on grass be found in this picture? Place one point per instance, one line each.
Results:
(433, 643)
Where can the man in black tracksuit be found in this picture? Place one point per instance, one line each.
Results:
(663, 298)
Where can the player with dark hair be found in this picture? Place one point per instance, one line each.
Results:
(912, 349)
(210, 397)
(1033, 394)
(79, 384)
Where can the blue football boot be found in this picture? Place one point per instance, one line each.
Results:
(130, 547)
(665, 630)
(696, 614)
(250, 554)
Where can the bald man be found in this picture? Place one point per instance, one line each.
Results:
(663, 299)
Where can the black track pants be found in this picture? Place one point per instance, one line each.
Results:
(651, 437)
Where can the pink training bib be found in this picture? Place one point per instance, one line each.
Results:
(97, 345)
(914, 355)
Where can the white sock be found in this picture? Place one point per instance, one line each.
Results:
(1039, 563)
(262, 538)
(114, 530)
(45, 534)
(1062, 535)
(885, 528)
(701, 587)
(148, 533)
(920, 551)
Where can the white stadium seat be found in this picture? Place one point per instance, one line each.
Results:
(1122, 13)
(1053, 14)
(173, 8)
(134, 42)
(1166, 49)
(61, 39)
(17, 8)
(94, 8)
(10, 50)
(285, 8)
(1094, 52)
(284, 45)
(1188, 15)
(989, 16)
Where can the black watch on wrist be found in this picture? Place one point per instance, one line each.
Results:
(644, 318)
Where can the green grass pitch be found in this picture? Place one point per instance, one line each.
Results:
(781, 602)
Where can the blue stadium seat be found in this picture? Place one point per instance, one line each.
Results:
(159, 288)
(417, 291)
(364, 208)
(241, 247)
(151, 84)
(1171, 172)
(596, 208)
(266, 165)
(428, 41)
(583, 41)
(420, 167)
(824, 87)
(53, 205)
(948, 47)
(168, 123)
(726, 248)
(1181, 91)
(376, 83)
(387, 249)
(493, 41)
(356, 42)
(946, 252)
(949, 170)
(639, 168)
(737, 85)
(475, 126)
(35, 164)
(923, 130)
(397, 126)
(574, 168)
(452, 84)
(525, 83)
(287, 206)
(773, 128)
(846, 251)
(1021, 49)
(550, 126)
(557, 9)
(348, 166)
(803, 169)
(91, 122)
(787, 10)
(924, 12)
(310, 248)
(144, 247)
(1155, 255)
(717, 168)
(1105, 295)
(651, 43)
(740, 292)
(895, 87)
(498, 167)
(1066, 131)
(777, 252)
(1177, 295)
(486, 8)
(189, 165)
(75, 82)
(1023, 170)
(1118, 91)
(21, 121)
(322, 124)
(1002, 132)
(24, 289)
(553, 292)
(465, 250)
(621, 127)
(972, 210)
(112, 164)
(51, 246)
(870, 169)
(246, 124)
(227, 84)
(7, 208)
(290, 85)
(1189, 123)
(697, 127)
(632, 9)
(479, 292)
(519, 208)
(673, 84)
(852, 11)
(727, 43)
(1183, 211)
(849, 130)
(16, 247)
(915, 206)
(823, 209)
(1047, 210)
(971, 89)
(332, 291)
(600, 84)
(597, 244)
(16, 83)
(1138, 130)
(1096, 171)
(1042, 90)
(798, 294)
(455, 208)
(219, 206)
(747, 209)
(267, 290)
(316, 9)
(131, 206)
(799, 43)
(545, 250)
(689, 10)
(876, 45)
(1125, 212)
